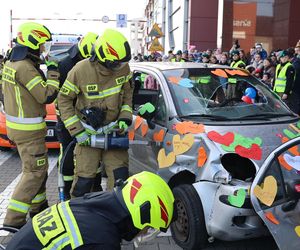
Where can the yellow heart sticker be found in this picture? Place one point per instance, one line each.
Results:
(266, 193)
(164, 160)
(297, 230)
(180, 146)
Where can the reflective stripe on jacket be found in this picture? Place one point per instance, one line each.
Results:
(25, 94)
(237, 64)
(280, 78)
(95, 86)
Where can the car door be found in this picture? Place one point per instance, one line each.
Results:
(152, 134)
(275, 194)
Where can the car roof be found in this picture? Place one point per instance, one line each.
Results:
(175, 65)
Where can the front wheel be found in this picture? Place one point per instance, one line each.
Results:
(189, 230)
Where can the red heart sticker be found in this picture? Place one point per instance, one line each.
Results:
(254, 152)
(226, 139)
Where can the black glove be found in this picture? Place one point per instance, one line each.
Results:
(94, 116)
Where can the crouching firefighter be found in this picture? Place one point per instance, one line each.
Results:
(101, 220)
(101, 85)
(76, 53)
(26, 93)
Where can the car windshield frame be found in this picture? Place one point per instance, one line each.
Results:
(195, 90)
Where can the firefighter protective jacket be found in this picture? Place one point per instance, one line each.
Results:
(96, 221)
(26, 91)
(95, 86)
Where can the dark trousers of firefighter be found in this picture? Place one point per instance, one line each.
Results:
(87, 161)
(30, 193)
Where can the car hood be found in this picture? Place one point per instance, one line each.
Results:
(254, 142)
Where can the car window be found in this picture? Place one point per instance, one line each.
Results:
(161, 110)
(229, 94)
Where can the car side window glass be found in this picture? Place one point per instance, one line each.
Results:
(285, 168)
(161, 110)
(145, 89)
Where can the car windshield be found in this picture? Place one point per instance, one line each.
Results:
(222, 94)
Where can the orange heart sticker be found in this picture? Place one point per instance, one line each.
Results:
(271, 218)
(131, 134)
(219, 72)
(189, 127)
(159, 136)
(266, 193)
(144, 129)
(174, 79)
(138, 121)
(293, 150)
(164, 160)
(283, 163)
(202, 156)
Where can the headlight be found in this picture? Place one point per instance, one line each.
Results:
(2, 108)
(222, 176)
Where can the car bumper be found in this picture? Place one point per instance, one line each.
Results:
(224, 221)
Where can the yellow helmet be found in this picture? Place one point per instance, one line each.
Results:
(149, 200)
(32, 35)
(86, 43)
(112, 47)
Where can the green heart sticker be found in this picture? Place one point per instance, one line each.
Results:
(146, 107)
(289, 134)
(238, 199)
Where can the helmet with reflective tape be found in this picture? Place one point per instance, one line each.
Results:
(86, 43)
(149, 200)
(32, 35)
(112, 47)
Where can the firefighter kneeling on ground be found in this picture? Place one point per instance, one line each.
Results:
(26, 93)
(104, 100)
(101, 220)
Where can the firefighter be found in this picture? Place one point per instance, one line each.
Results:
(76, 53)
(101, 220)
(26, 93)
(104, 100)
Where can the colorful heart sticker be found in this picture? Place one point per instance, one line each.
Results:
(290, 134)
(238, 200)
(226, 139)
(144, 129)
(283, 163)
(186, 82)
(180, 146)
(159, 136)
(147, 107)
(131, 134)
(174, 79)
(189, 127)
(254, 152)
(270, 216)
(164, 160)
(202, 156)
(297, 230)
(138, 122)
(219, 72)
(293, 161)
(266, 193)
(294, 150)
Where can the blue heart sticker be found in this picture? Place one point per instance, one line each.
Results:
(186, 82)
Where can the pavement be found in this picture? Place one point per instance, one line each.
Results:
(10, 173)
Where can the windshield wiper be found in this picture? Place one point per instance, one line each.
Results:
(265, 116)
(209, 116)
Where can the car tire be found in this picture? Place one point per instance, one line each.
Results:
(189, 230)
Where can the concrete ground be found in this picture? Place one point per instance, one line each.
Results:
(10, 169)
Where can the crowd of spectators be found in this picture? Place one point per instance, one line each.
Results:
(257, 61)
